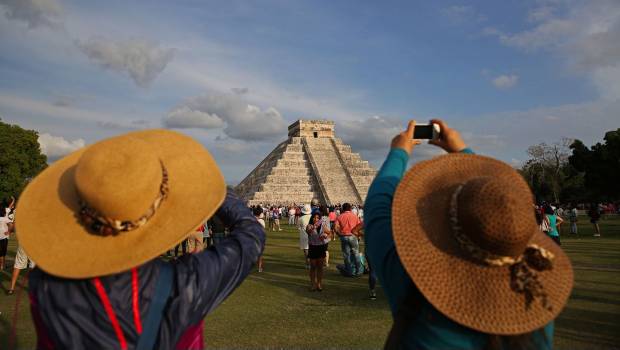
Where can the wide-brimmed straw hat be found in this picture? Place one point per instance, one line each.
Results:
(117, 203)
(465, 231)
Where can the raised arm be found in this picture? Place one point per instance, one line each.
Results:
(205, 279)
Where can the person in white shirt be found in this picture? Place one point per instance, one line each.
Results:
(258, 214)
(291, 215)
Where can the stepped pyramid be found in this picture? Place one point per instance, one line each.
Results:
(311, 163)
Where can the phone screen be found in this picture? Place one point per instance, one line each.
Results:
(423, 132)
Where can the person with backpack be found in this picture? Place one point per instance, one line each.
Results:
(456, 247)
(96, 222)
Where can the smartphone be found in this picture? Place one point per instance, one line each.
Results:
(426, 132)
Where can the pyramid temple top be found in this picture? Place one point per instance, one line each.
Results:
(319, 128)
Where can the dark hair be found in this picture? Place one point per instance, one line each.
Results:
(257, 211)
(548, 210)
(346, 207)
(313, 218)
(519, 342)
(539, 218)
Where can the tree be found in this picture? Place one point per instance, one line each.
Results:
(600, 166)
(546, 170)
(20, 159)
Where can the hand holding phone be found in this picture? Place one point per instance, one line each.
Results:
(450, 139)
(427, 132)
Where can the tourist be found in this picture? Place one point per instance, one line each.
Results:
(6, 228)
(458, 252)
(328, 230)
(275, 222)
(332, 219)
(195, 243)
(347, 228)
(318, 237)
(22, 261)
(595, 215)
(207, 235)
(303, 222)
(258, 214)
(572, 216)
(554, 222)
(100, 284)
(297, 214)
(291, 215)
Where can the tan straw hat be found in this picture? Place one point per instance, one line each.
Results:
(117, 203)
(465, 231)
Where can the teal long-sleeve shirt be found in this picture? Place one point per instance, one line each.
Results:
(431, 329)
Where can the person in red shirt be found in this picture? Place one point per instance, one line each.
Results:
(348, 226)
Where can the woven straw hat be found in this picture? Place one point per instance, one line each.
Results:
(465, 231)
(117, 203)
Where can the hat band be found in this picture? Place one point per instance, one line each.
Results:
(522, 278)
(105, 226)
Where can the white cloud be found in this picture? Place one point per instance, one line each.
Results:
(371, 134)
(242, 120)
(583, 35)
(35, 13)
(505, 81)
(57, 146)
(186, 117)
(141, 59)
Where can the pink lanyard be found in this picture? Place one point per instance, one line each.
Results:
(110, 311)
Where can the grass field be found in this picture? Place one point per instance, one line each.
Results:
(275, 309)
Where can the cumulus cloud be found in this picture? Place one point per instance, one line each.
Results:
(186, 117)
(35, 13)
(239, 119)
(141, 59)
(505, 81)
(57, 146)
(584, 35)
(371, 134)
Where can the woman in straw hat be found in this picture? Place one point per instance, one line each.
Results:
(96, 222)
(456, 247)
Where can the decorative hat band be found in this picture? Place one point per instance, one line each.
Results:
(522, 277)
(106, 226)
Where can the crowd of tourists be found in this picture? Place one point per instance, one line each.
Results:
(551, 218)
(453, 242)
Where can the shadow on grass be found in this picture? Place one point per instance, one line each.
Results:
(598, 329)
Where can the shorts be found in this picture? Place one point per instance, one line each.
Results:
(4, 243)
(317, 251)
(21, 260)
(593, 221)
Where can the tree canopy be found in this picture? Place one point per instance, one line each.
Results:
(600, 166)
(569, 171)
(20, 159)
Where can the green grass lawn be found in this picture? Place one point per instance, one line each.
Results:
(275, 309)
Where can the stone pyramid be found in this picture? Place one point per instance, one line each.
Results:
(311, 163)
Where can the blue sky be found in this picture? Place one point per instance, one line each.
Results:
(234, 74)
